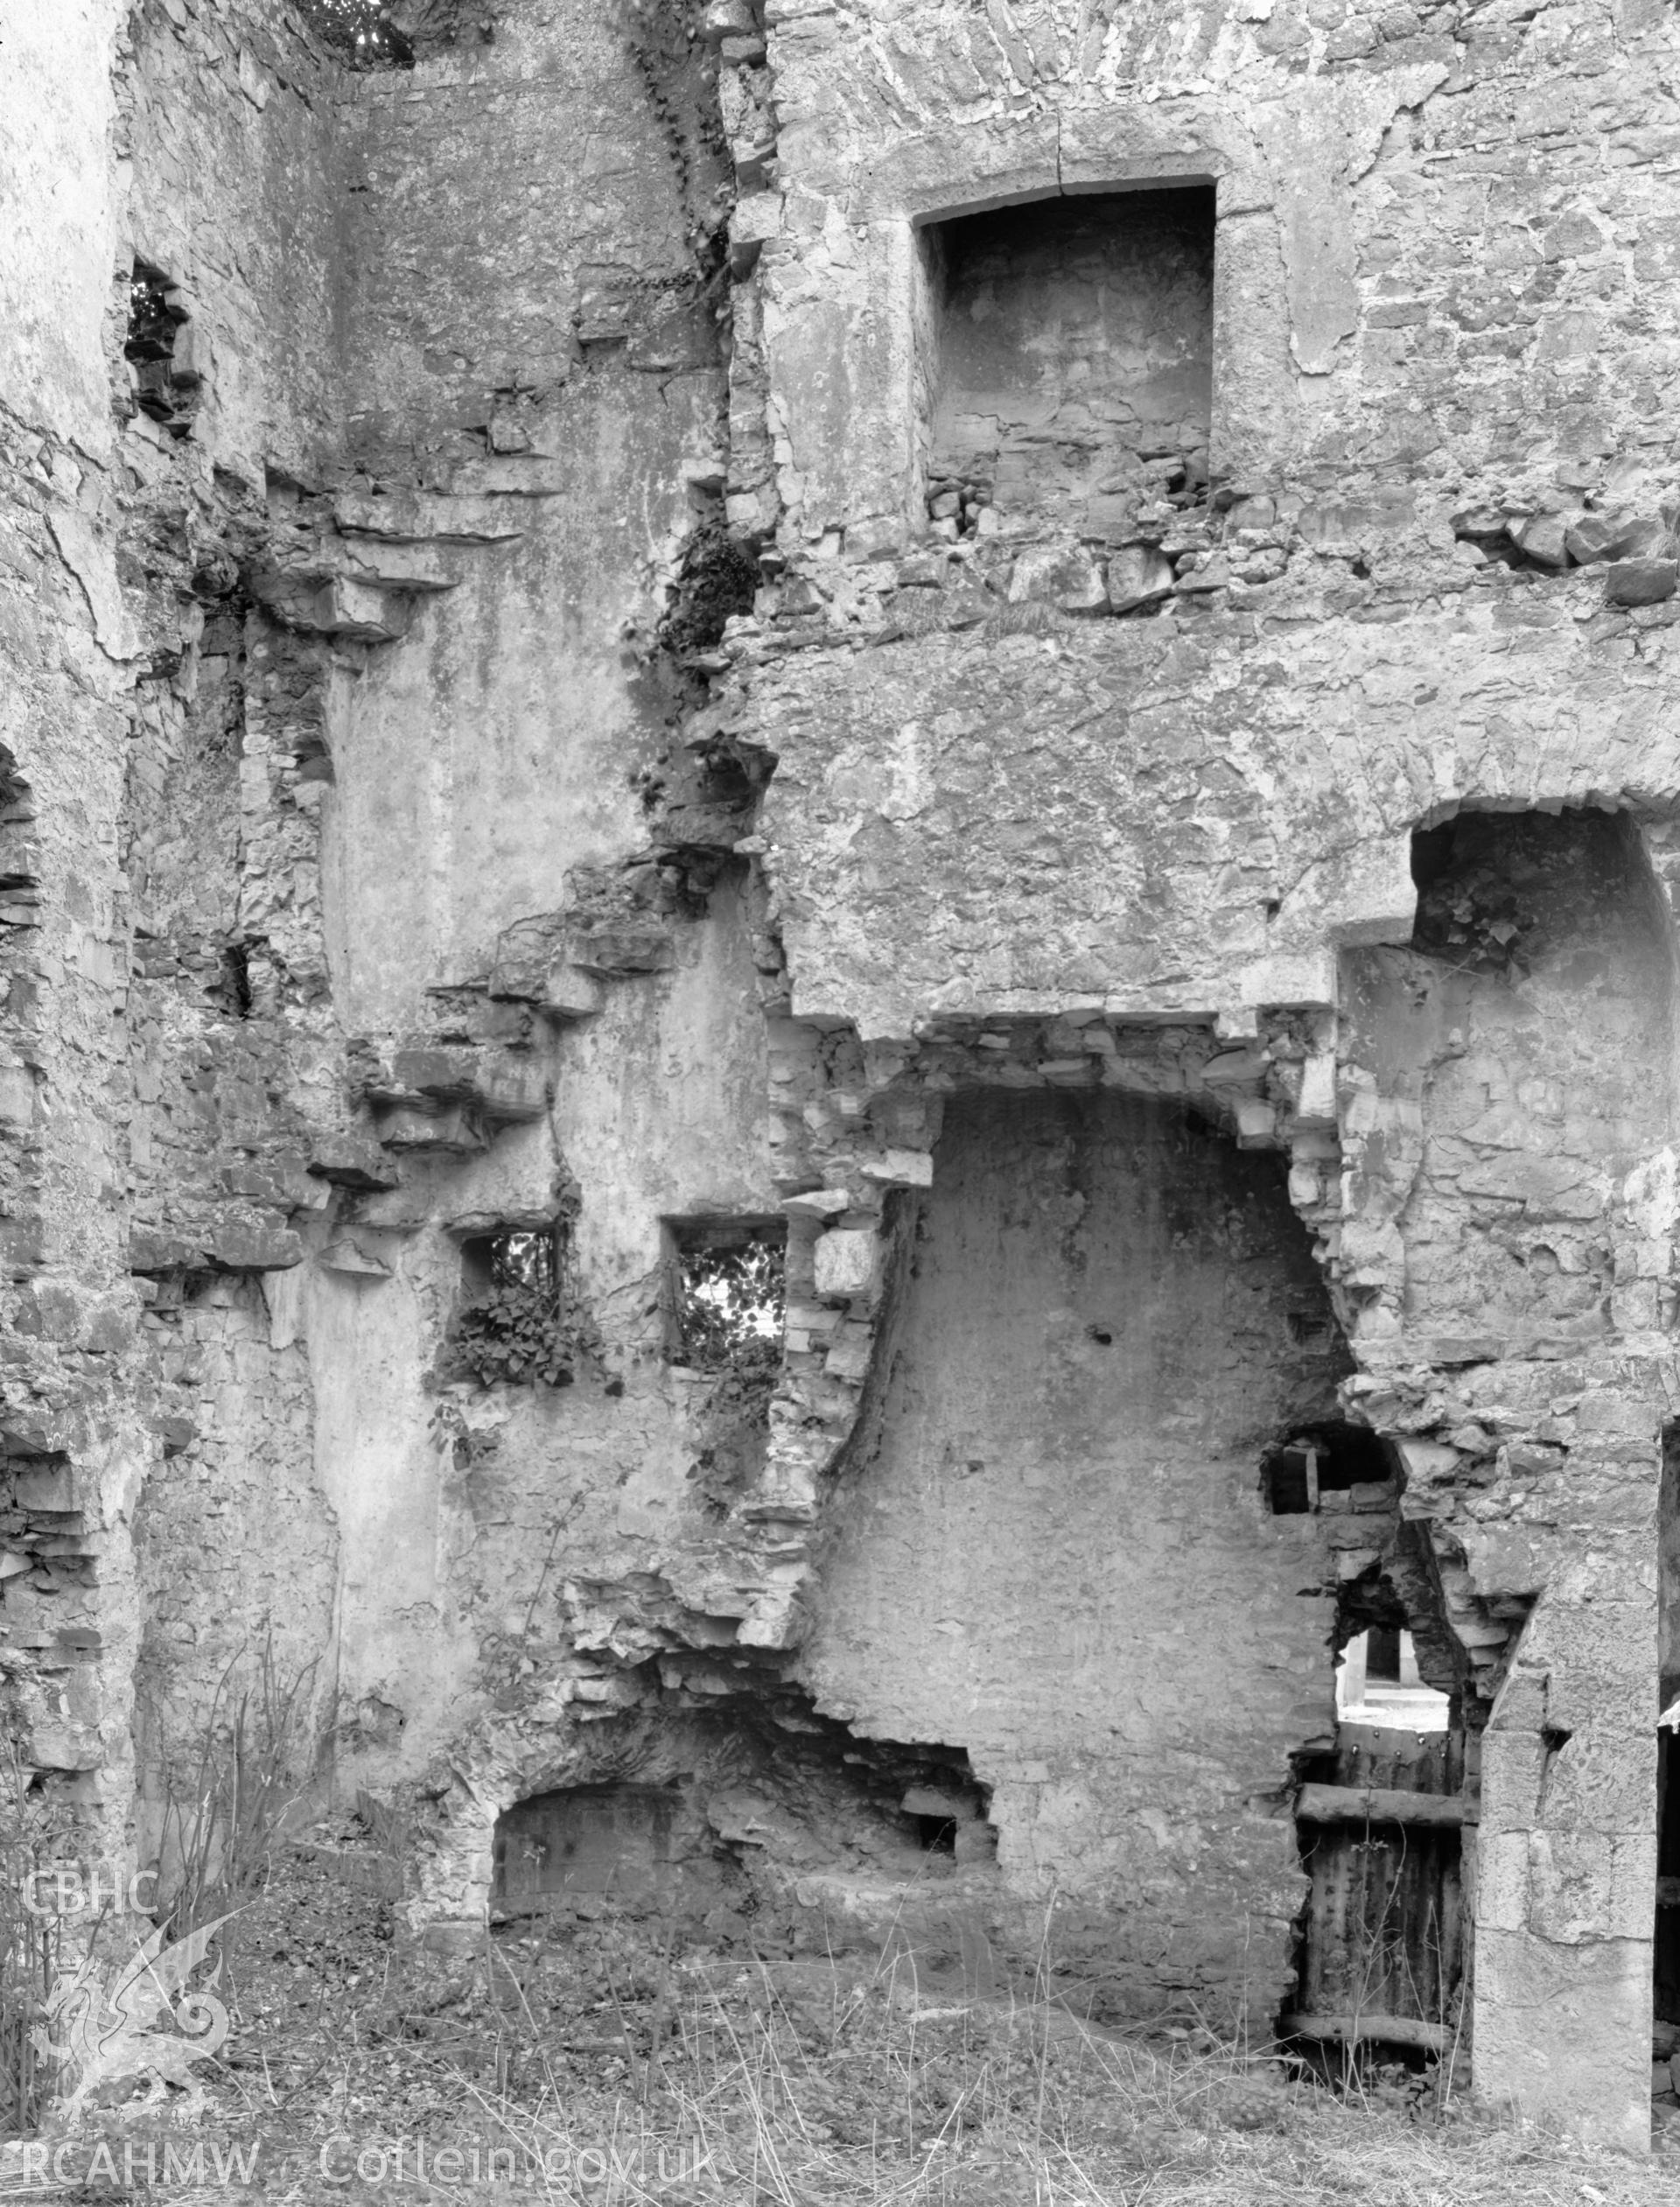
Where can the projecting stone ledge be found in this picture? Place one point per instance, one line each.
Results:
(359, 610)
(347, 1257)
(241, 1241)
(348, 1160)
(453, 1098)
(533, 966)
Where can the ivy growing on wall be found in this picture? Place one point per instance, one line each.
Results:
(516, 1330)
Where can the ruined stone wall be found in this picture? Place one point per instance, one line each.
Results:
(74, 1440)
(237, 1557)
(1510, 1109)
(235, 179)
(1434, 573)
(1514, 1070)
(556, 380)
(478, 1524)
(1342, 199)
(169, 984)
(1407, 287)
(388, 865)
(236, 197)
(400, 681)
(542, 430)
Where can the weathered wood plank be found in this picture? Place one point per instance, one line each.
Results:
(1382, 1805)
(1395, 2031)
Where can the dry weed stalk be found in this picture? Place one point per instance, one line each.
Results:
(29, 1961)
(251, 1764)
(790, 2087)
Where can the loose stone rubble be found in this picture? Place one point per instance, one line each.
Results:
(1023, 651)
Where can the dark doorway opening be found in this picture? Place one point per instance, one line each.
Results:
(1331, 1457)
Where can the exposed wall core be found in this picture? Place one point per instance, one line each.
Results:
(1061, 1551)
(1529, 1019)
(1075, 353)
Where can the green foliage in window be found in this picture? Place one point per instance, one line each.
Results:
(513, 1335)
(730, 1303)
(514, 1328)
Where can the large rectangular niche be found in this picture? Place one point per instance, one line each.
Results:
(1074, 340)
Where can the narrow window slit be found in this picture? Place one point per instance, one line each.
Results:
(160, 350)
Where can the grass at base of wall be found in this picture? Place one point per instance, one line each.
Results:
(575, 2054)
(1013, 2105)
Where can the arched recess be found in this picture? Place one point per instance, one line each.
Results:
(1059, 1550)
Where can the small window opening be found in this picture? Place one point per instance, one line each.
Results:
(153, 317)
(731, 1296)
(1071, 376)
(360, 31)
(234, 990)
(947, 1812)
(518, 1257)
(513, 1328)
(1292, 1481)
(166, 378)
(1378, 1683)
(1330, 1459)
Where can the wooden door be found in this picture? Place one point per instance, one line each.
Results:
(1382, 1946)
